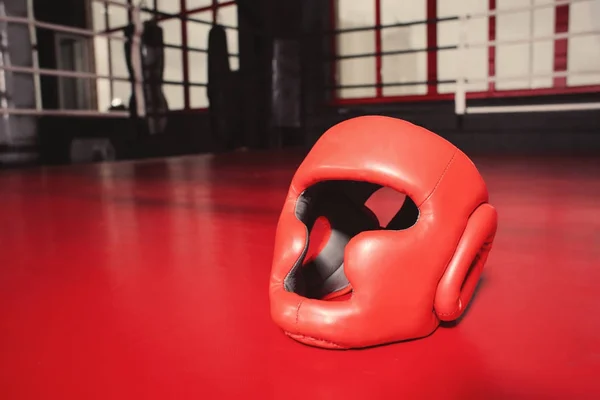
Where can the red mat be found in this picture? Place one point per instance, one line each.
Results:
(148, 280)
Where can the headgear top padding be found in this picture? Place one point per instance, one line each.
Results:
(372, 285)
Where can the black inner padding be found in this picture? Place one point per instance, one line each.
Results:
(342, 203)
(406, 216)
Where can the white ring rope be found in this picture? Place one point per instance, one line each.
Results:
(555, 74)
(61, 73)
(557, 36)
(534, 108)
(65, 113)
(58, 28)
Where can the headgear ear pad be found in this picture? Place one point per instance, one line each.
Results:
(403, 279)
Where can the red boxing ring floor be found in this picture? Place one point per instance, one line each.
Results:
(149, 280)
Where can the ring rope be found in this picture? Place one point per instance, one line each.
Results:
(507, 11)
(557, 36)
(57, 28)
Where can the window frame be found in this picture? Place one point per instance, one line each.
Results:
(185, 12)
(83, 62)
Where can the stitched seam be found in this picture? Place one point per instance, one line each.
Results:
(300, 336)
(449, 314)
(440, 178)
(298, 310)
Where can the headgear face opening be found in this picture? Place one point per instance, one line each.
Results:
(369, 284)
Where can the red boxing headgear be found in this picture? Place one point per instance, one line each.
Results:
(370, 285)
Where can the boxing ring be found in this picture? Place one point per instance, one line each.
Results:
(463, 92)
(149, 279)
(143, 47)
(460, 96)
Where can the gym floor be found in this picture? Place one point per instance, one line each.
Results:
(148, 279)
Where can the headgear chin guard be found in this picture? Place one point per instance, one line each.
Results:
(371, 285)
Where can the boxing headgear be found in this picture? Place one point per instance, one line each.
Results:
(370, 284)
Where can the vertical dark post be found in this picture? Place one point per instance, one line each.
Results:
(492, 48)
(561, 46)
(185, 54)
(378, 60)
(130, 12)
(432, 44)
(318, 41)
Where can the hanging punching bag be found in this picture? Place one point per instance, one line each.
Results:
(153, 64)
(219, 88)
(286, 94)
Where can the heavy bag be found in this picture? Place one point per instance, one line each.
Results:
(286, 93)
(369, 284)
(153, 61)
(220, 91)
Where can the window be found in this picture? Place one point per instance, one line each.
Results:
(168, 6)
(109, 54)
(449, 64)
(390, 48)
(197, 34)
(584, 51)
(408, 68)
(227, 16)
(195, 4)
(356, 71)
(390, 61)
(535, 58)
(186, 43)
(72, 54)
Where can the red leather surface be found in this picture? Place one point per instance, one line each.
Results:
(455, 289)
(148, 280)
(394, 274)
